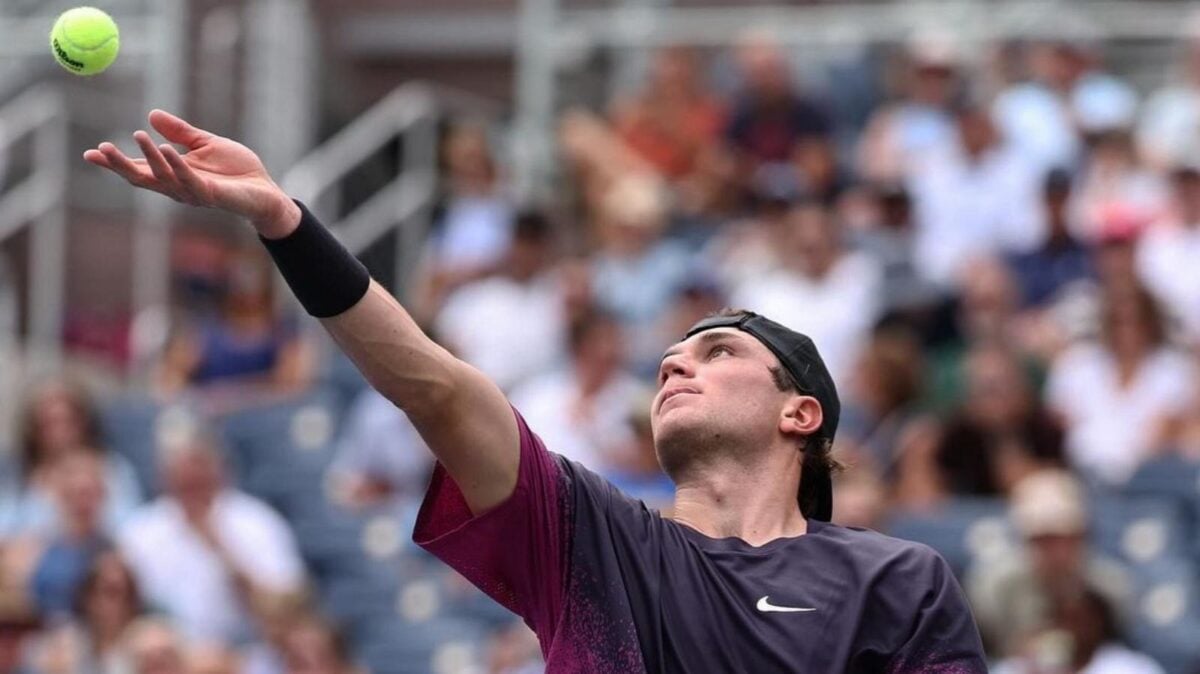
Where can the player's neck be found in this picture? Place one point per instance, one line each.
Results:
(756, 505)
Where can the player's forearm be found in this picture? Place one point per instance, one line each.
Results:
(463, 417)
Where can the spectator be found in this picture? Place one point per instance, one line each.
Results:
(229, 546)
(899, 135)
(15, 633)
(381, 458)
(635, 272)
(246, 344)
(1112, 181)
(884, 397)
(860, 500)
(59, 419)
(673, 121)
(979, 197)
(514, 650)
(474, 231)
(637, 471)
(1119, 395)
(1168, 132)
(1015, 596)
(152, 646)
(773, 123)
(211, 659)
(1061, 260)
(510, 325)
(997, 436)
(65, 558)
(1167, 253)
(750, 246)
(581, 410)
(1083, 639)
(890, 238)
(314, 647)
(106, 604)
(819, 279)
(1035, 114)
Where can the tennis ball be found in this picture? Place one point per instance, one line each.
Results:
(85, 40)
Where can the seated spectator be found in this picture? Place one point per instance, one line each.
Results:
(636, 472)
(105, 605)
(1084, 638)
(1112, 180)
(977, 197)
(65, 558)
(882, 400)
(635, 271)
(999, 434)
(581, 410)
(672, 122)
(511, 324)
(245, 344)
(772, 122)
(475, 227)
(860, 499)
(1015, 596)
(152, 646)
(1062, 259)
(1167, 252)
(313, 646)
(901, 133)
(750, 246)
(1119, 394)
(514, 650)
(59, 419)
(1035, 114)
(890, 237)
(380, 458)
(16, 632)
(229, 546)
(818, 281)
(1168, 132)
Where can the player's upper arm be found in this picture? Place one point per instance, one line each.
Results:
(474, 434)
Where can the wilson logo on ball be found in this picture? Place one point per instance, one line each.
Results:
(65, 59)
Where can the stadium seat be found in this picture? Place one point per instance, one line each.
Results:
(129, 427)
(1142, 530)
(960, 530)
(1166, 620)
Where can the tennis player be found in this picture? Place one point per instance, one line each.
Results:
(747, 576)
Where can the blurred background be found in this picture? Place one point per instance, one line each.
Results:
(986, 213)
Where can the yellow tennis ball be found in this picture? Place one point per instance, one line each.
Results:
(85, 40)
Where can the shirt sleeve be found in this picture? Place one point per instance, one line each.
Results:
(516, 552)
(941, 637)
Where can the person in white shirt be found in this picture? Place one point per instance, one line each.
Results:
(1119, 394)
(822, 289)
(204, 552)
(582, 410)
(1169, 129)
(979, 197)
(511, 325)
(1167, 253)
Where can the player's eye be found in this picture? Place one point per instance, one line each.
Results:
(720, 348)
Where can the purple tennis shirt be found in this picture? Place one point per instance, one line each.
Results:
(610, 586)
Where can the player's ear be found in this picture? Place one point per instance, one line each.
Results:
(801, 416)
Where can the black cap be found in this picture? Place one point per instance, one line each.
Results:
(798, 355)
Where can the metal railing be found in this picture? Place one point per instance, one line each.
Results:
(411, 114)
(38, 201)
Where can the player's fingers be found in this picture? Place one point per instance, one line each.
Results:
(138, 175)
(191, 182)
(154, 158)
(176, 129)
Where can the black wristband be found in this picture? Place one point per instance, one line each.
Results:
(322, 274)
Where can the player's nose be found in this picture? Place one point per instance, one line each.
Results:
(675, 365)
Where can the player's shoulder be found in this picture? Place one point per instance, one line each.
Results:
(877, 548)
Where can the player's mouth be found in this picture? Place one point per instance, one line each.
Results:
(672, 392)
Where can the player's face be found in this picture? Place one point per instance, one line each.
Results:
(715, 386)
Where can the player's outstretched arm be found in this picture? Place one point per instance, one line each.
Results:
(463, 416)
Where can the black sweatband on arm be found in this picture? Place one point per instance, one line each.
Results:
(322, 274)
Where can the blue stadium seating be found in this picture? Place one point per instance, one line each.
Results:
(957, 530)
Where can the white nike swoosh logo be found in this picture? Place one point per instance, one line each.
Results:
(767, 607)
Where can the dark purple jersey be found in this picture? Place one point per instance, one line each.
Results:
(611, 587)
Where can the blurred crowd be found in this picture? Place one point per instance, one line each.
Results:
(997, 268)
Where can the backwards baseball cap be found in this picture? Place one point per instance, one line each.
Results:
(798, 355)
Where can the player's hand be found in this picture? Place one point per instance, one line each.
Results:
(213, 172)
